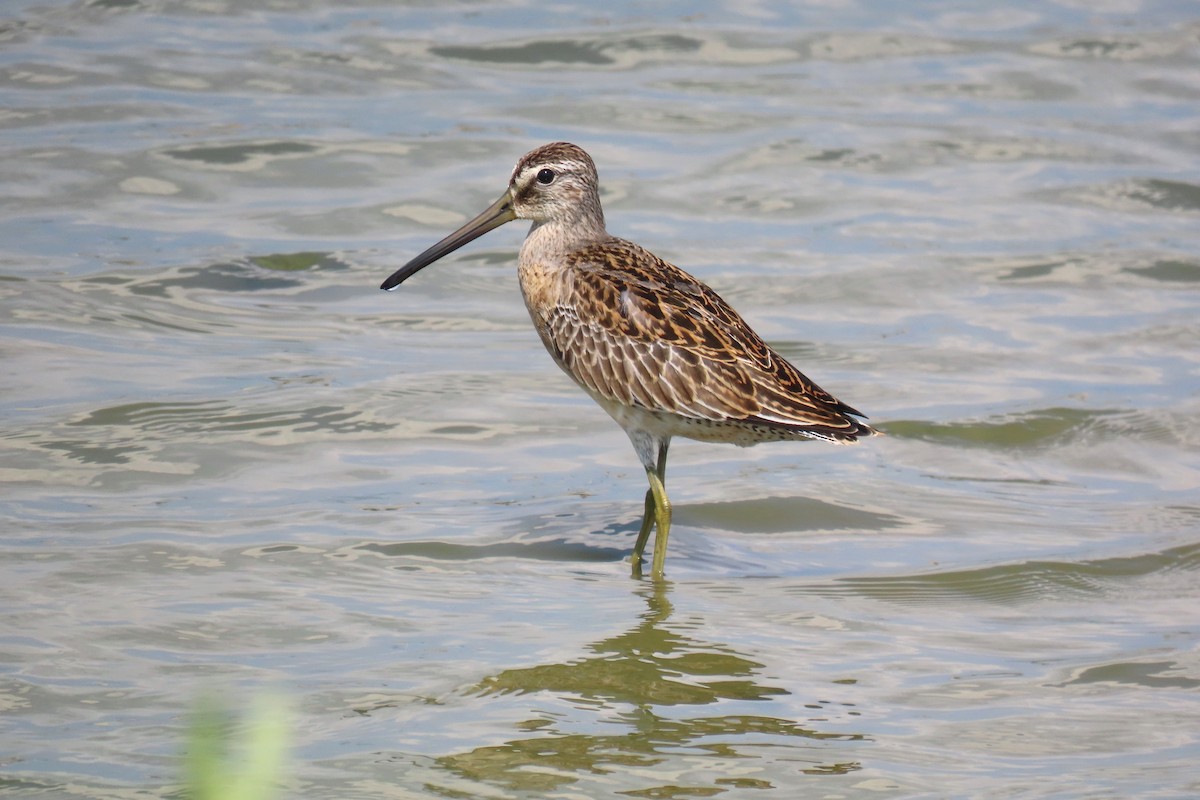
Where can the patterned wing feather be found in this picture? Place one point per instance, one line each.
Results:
(644, 333)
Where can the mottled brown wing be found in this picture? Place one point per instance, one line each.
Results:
(643, 332)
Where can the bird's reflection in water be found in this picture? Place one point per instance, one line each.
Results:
(659, 729)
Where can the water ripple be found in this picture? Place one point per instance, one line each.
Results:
(1025, 582)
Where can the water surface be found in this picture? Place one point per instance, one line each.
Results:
(230, 462)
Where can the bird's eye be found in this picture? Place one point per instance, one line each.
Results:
(546, 177)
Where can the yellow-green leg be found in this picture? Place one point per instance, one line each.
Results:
(657, 514)
(644, 534)
(662, 521)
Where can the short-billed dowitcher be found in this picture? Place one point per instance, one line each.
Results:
(661, 352)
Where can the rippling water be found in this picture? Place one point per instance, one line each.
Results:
(230, 461)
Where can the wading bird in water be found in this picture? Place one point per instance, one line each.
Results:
(661, 352)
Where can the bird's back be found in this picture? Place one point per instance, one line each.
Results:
(645, 338)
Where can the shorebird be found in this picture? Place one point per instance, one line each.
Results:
(660, 351)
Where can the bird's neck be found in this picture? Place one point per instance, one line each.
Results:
(549, 238)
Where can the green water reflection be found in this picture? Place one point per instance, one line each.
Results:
(651, 676)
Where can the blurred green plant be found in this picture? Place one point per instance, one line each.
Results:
(231, 761)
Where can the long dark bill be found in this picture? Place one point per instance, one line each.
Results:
(496, 215)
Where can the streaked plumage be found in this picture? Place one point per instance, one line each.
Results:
(660, 351)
